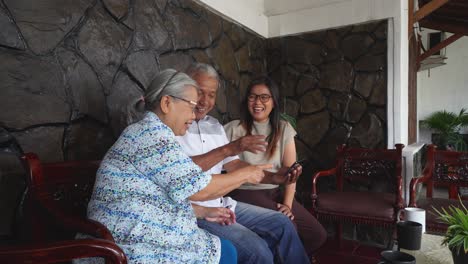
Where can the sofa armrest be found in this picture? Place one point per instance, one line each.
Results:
(426, 176)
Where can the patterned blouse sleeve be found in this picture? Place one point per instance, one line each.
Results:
(164, 162)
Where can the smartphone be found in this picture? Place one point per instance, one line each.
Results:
(294, 165)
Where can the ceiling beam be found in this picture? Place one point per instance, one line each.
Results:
(427, 9)
(439, 46)
(410, 17)
(446, 26)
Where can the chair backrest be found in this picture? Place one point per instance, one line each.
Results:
(446, 168)
(58, 194)
(361, 169)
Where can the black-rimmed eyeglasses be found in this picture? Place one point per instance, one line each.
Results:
(263, 97)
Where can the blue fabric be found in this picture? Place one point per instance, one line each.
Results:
(141, 194)
(228, 252)
(261, 236)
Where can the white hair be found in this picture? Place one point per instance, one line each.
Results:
(167, 82)
(202, 68)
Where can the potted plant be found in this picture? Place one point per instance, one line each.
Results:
(447, 125)
(456, 237)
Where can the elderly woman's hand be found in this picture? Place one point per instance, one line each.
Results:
(255, 173)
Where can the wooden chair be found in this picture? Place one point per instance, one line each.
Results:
(446, 169)
(368, 188)
(55, 211)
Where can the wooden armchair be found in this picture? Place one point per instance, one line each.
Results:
(55, 211)
(368, 188)
(447, 169)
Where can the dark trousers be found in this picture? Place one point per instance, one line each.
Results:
(311, 232)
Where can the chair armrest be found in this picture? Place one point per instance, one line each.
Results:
(314, 185)
(60, 251)
(318, 175)
(399, 201)
(93, 228)
(413, 184)
(79, 225)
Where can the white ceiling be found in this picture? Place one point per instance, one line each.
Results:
(279, 7)
(273, 18)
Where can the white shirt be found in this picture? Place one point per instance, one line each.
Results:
(202, 137)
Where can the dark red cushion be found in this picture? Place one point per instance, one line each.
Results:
(367, 205)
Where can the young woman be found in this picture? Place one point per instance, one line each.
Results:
(261, 116)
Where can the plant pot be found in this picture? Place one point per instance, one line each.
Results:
(461, 258)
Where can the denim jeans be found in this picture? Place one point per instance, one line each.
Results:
(261, 236)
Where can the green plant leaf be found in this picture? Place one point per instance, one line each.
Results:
(448, 125)
(456, 236)
(456, 240)
(465, 244)
(290, 119)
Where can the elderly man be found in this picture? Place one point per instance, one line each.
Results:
(259, 234)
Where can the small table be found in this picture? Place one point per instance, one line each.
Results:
(431, 252)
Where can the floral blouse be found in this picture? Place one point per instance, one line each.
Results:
(141, 194)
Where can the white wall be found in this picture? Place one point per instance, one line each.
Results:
(249, 13)
(319, 15)
(444, 87)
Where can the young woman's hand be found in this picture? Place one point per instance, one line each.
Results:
(286, 210)
(294, 174)
(286, 175)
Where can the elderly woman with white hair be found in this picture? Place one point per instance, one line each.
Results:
(145, 182)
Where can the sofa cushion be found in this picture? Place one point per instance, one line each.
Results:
(364, 205)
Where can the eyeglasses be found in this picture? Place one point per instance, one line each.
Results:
(263, 97)
(192, 103)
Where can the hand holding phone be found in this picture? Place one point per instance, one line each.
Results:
(294, 165)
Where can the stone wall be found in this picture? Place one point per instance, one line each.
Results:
(69, 68)
(334, 84)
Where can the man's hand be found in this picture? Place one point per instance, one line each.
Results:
(220, 215)
(284, 209)
(251, 143)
